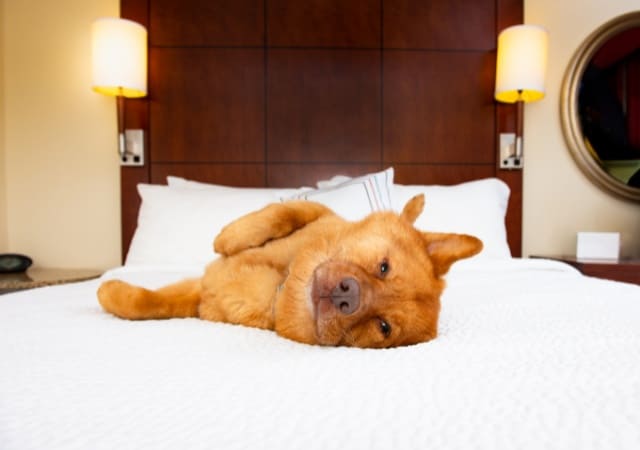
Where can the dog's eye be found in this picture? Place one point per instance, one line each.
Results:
(385, 328)
(384, 267)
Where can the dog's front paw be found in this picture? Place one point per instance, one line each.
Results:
(225, 244)
(241, 235)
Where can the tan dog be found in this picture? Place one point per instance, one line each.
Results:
(299, 269)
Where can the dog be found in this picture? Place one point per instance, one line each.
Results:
(299, 269)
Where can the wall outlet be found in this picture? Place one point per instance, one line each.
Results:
(134, 140)
(507, 152)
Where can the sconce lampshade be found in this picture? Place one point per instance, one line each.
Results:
(521, 64)
(119, 57)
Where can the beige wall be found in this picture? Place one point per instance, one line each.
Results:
(59, 186)
(60, 164)
(4, 237)
(558, 199)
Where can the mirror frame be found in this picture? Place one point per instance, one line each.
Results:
(569, 106)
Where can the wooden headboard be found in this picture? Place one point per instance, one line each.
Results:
(286, 92)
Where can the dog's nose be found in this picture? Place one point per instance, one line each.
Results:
(346, 295)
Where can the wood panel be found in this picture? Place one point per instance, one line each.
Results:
(323, 105)
(510, 12)
(443, 174)
(206, 23)
(136, 117)
(324, 23)
(437, 108)
(229, 174)
(297, 174)
(212, 111)
(514, 210)
(439, 24)
(286, 92)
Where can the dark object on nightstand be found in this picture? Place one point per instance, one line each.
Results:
(14, 263)
(627, 270)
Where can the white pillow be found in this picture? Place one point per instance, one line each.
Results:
(355, 198)
(333, 181)
(178, 225)
(180, 182)
(476, 207)
(280, 193)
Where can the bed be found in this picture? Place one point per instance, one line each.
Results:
(531, 354)
(257, 101)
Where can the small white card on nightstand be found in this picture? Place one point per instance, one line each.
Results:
(593, 245)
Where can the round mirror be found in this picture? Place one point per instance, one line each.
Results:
(600, 106)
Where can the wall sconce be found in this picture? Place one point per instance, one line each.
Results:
(119, 57)
(520, 73)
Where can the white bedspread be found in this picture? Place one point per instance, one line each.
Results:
(531, 355)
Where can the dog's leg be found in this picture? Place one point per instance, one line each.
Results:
(271, 222)
(240, 290)
(132, 302)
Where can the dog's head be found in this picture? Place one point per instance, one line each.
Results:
(374, 283)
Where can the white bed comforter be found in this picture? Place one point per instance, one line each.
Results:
(531, 355)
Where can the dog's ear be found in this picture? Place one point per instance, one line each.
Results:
(447, 248)
(413, 208)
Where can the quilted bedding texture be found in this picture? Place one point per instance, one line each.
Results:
(530, 355)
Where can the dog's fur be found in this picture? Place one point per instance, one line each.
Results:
(299, 269)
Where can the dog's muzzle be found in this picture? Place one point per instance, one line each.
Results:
(346, 295)
(337, 289)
